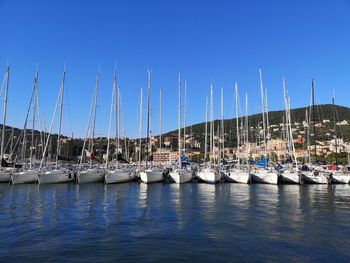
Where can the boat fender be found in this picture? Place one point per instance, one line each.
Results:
(69, 175)
(75, 175)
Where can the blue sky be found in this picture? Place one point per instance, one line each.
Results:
(218, 41)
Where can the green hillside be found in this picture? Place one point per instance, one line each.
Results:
(322, 112)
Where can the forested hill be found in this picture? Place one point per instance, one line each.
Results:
(72, 148)
(322, 112)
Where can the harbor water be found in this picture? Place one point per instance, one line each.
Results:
(193, 222)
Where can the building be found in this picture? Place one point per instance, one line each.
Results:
(299, 140)
(165, 156)
(342, 123)
(169, 141)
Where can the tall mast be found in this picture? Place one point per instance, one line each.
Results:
(307, 119)
(246, 124)
(268, 135)
(5, 113)
(33, 124)
(213, 127)
(263, 108)
(313, 118)
(117, 121)
(284, 136)
(41, 141)
(285, 118)
(148, 115)
(291, 134)
(222, 124)
(160, 121)
(335, 134)
(243, 126)
(113, 102)
(237, 125)
(60, 119)
(179, 120)
(140, 126)
(185, 97)
(206, 130)
(118, 126)
(94, 118)
(219, 143)
(211, 124)
(288, 120)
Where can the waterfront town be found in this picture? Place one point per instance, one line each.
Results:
(278, 148)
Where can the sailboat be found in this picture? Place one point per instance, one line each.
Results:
(59, 174)
(313, 174)
(209, 172)
(339, 176)
(29, 175)
(289, 173)
(265, 174)
(117, 174)
(237, 174)
(5, 172)
(150, 174)
(92, 173)
(180, 174)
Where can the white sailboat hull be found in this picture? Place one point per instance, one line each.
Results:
(181, 176)
(290, 177)
(152, 176)
(237, 176)
(119, 176)
(5, 175)
(340, 178)
(92, 175)
(56, 176)
(25, 177)
(265, 177)
(209, 176)
(312, 177)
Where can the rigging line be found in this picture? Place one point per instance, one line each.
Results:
(320, 113)
(39, 121)
(17, 148)
(340, 127)
(122, 121)
(99, 112)
(24, 128)
(88, 128)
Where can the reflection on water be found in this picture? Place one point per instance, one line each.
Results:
(154, 222)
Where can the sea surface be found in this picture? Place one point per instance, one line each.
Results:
(193, 222)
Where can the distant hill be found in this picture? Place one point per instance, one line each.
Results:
(71, 148)
(322, 112)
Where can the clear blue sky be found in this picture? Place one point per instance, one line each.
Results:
(219, 41)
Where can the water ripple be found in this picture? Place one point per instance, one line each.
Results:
(191, 222)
